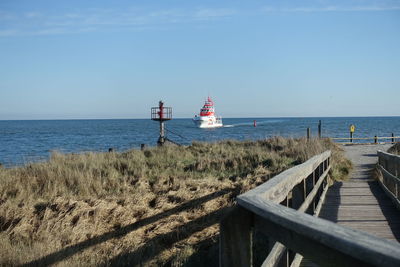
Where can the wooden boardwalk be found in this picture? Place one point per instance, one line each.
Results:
(271, 218)
(360, 203)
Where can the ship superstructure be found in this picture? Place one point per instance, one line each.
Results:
(207, 117)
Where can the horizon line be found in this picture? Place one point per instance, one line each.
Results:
(255, 117)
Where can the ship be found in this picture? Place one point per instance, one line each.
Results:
(207, 117)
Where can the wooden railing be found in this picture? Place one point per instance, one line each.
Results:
(374, 140)
(389, 167)
(278, 215)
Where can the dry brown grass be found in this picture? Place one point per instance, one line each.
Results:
(395, 149)
(155, 207)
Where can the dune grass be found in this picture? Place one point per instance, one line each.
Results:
(395, 149)
(155, 207)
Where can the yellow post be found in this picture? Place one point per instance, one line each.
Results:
(352, 129)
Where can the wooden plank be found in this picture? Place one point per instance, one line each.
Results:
(236, 238)
(360, 212)
(374, 223)
(378, 226)
(275, 255)
(327, 243)
(363, 208)
(355, 200)
(347, 192)
(381, 233)
(278, 188)
(362, 179)
(355, 185)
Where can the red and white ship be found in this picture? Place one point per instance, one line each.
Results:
(207, 118)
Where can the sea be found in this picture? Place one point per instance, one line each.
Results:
(23, 142)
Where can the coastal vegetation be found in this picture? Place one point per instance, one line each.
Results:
(395, 149)
(159, 206)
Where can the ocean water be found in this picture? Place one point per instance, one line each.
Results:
(22, 142)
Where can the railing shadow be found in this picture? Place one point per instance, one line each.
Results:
(330, 208)
(206, 254)
(76, 248)
(372, 155)
(367, 169)
(152, 248)
(332, 203)
(391, 213)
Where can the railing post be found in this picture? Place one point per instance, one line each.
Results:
(289, 255)
(376, 139)
(391, 167)
(308, 133)
(392, 138)
(379, 158)
(236, 238)
(321, 189)
(314, 180)
(309, 185)
(298, 195)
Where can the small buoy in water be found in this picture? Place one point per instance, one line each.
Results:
(255, 123)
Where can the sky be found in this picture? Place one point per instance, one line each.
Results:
(116, 59)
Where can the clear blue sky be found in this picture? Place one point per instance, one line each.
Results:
(116, 59)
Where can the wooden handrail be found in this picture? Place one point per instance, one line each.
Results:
(278, 188)
(322, 241)
(278, 249)
(300, 187)
(364, 138)
(389, 178)
(390, 162)
(281, 210)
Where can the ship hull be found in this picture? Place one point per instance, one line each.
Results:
(208, 122)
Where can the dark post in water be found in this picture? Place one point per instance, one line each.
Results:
(161, 114)
(319, 128)
(308, 133)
